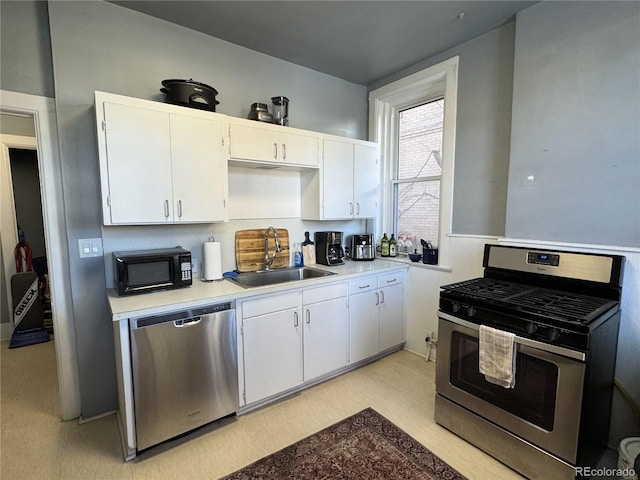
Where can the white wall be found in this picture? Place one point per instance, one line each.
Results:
(425, 282)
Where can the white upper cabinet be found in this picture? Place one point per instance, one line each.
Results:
(348, 184)
(199, 169)
(366, 181)
(160, 163)
(255, 142)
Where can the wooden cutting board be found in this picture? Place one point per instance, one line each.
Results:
(250, 249)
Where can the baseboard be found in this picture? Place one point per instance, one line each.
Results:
(82, 419)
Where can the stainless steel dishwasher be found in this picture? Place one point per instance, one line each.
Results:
(185, 371)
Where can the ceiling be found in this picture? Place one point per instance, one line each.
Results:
(358, 41)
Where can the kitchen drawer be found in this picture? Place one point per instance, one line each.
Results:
(363, 284)
(270, 304)
(321, 294)
(389, 279)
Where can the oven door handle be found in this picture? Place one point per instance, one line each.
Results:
(546, 347)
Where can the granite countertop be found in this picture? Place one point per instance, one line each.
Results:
(203, 293)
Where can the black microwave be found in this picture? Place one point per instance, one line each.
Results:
(141, 271)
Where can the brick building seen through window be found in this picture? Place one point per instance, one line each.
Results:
(418, 171)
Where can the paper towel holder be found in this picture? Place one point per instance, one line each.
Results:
(211, 261)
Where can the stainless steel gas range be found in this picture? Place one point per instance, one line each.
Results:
(563, 308)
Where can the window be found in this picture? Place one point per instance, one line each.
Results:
(413, 119)
(418, 168)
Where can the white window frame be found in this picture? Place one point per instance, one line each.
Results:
(385, 104)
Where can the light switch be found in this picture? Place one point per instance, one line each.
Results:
(90, 247)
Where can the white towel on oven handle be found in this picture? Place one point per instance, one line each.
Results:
(497, 356)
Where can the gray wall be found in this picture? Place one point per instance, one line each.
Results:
(574, 172)
(101, 46)
(483, 129)
(24, 34)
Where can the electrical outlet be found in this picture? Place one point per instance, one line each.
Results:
(90, 247)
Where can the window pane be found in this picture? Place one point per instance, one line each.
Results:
(418, 208)
(417, 204)
(420, 140)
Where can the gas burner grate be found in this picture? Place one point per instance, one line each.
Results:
(568, 306)
(487, 288)
(556, 304)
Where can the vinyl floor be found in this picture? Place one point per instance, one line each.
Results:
(36, 444)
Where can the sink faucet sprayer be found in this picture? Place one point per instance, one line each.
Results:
(269, 260)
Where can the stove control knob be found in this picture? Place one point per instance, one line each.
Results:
(531, 328)
(553, 335)
(455, 307)
(471, 311)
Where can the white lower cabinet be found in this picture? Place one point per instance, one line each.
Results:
(272, 345)
(376, 314)
(391, 310)
(292, 338)
(325, 330)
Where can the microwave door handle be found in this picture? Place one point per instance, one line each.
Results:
(546, 347)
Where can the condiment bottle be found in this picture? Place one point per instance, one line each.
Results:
(384, 246)
(393, 246)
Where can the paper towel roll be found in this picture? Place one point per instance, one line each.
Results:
(212, 262)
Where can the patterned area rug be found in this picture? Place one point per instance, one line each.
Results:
(365, 446)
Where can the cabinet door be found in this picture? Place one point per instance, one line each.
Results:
(138, 148)
(272, 353)
(337, 188)
(391, 316)
(325, 337)
(366, 186)
(199, 172)
(253, 143)
(299, 149)
(363, 326)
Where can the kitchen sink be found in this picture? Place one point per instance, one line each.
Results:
(262, 278)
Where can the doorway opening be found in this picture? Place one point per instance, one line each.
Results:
(31, 251)
(40, 114)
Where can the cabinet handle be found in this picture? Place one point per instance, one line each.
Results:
(392, 280)
(275, 150)
(358, 208)
(350, 208)
(377, 298)
(308, 316)
(295, 319)
(381, 296)
(180, 208)
(284, 151)
(166, 208)
(364, 286)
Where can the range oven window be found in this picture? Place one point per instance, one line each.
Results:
(149, 273)
(532, 399)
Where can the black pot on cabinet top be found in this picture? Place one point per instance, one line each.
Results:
(190, 94)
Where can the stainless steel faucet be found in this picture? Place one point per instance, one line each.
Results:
(267, 259)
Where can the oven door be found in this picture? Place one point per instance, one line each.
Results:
(544, 406)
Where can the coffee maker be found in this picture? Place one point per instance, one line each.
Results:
(329, 248)
(362, 247)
